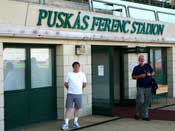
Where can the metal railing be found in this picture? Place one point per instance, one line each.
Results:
(80, 1)
(163, 3)
(52, 1)
(71, 4)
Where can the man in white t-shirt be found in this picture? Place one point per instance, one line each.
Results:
(75, 82)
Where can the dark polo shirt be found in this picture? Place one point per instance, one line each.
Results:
(146, 81)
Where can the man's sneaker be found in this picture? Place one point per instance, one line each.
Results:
(146, 119)
(65, 127)
(76, 125)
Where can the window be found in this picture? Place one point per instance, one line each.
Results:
(107, 8)
(159, 64)
(41, 68)
(159, 3)
(14, 69)
(82, 1)
(52, 1)
(165, 17)
(139, 13)
(102, 7)
(119, 11)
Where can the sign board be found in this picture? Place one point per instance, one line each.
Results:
(100, 70)
(79, 21)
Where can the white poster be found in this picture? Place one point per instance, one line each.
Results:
(100, 70)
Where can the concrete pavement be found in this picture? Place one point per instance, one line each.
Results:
(107, 123)
(103, 123)
(133, 125)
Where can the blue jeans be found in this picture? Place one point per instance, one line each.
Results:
(143, 100)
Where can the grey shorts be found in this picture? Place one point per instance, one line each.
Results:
(74, 99)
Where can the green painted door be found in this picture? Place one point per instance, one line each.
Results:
(101, 83)
(29, 84)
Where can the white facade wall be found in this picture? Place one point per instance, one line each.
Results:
(65, 57)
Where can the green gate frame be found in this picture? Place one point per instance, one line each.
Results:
(16, 124)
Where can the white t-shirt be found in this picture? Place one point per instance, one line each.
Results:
(75, 82)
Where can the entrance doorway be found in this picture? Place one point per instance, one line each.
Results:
(29, 84)
(130, 60)
(106, 80)
(112, 84)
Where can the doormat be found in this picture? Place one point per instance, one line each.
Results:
(155, 114)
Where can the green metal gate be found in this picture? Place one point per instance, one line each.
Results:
(29, 84)
(102, 82)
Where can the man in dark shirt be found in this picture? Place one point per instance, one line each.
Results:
(143, 74)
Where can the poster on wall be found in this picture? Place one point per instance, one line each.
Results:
(100, 70)
(131, 66)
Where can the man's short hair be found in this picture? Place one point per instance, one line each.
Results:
(75, 63)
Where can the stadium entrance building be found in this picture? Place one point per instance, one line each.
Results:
(38, 44)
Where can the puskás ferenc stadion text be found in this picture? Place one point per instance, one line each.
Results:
(55, 19)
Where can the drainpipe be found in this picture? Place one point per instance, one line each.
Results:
(91, 8)
(42, 2)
